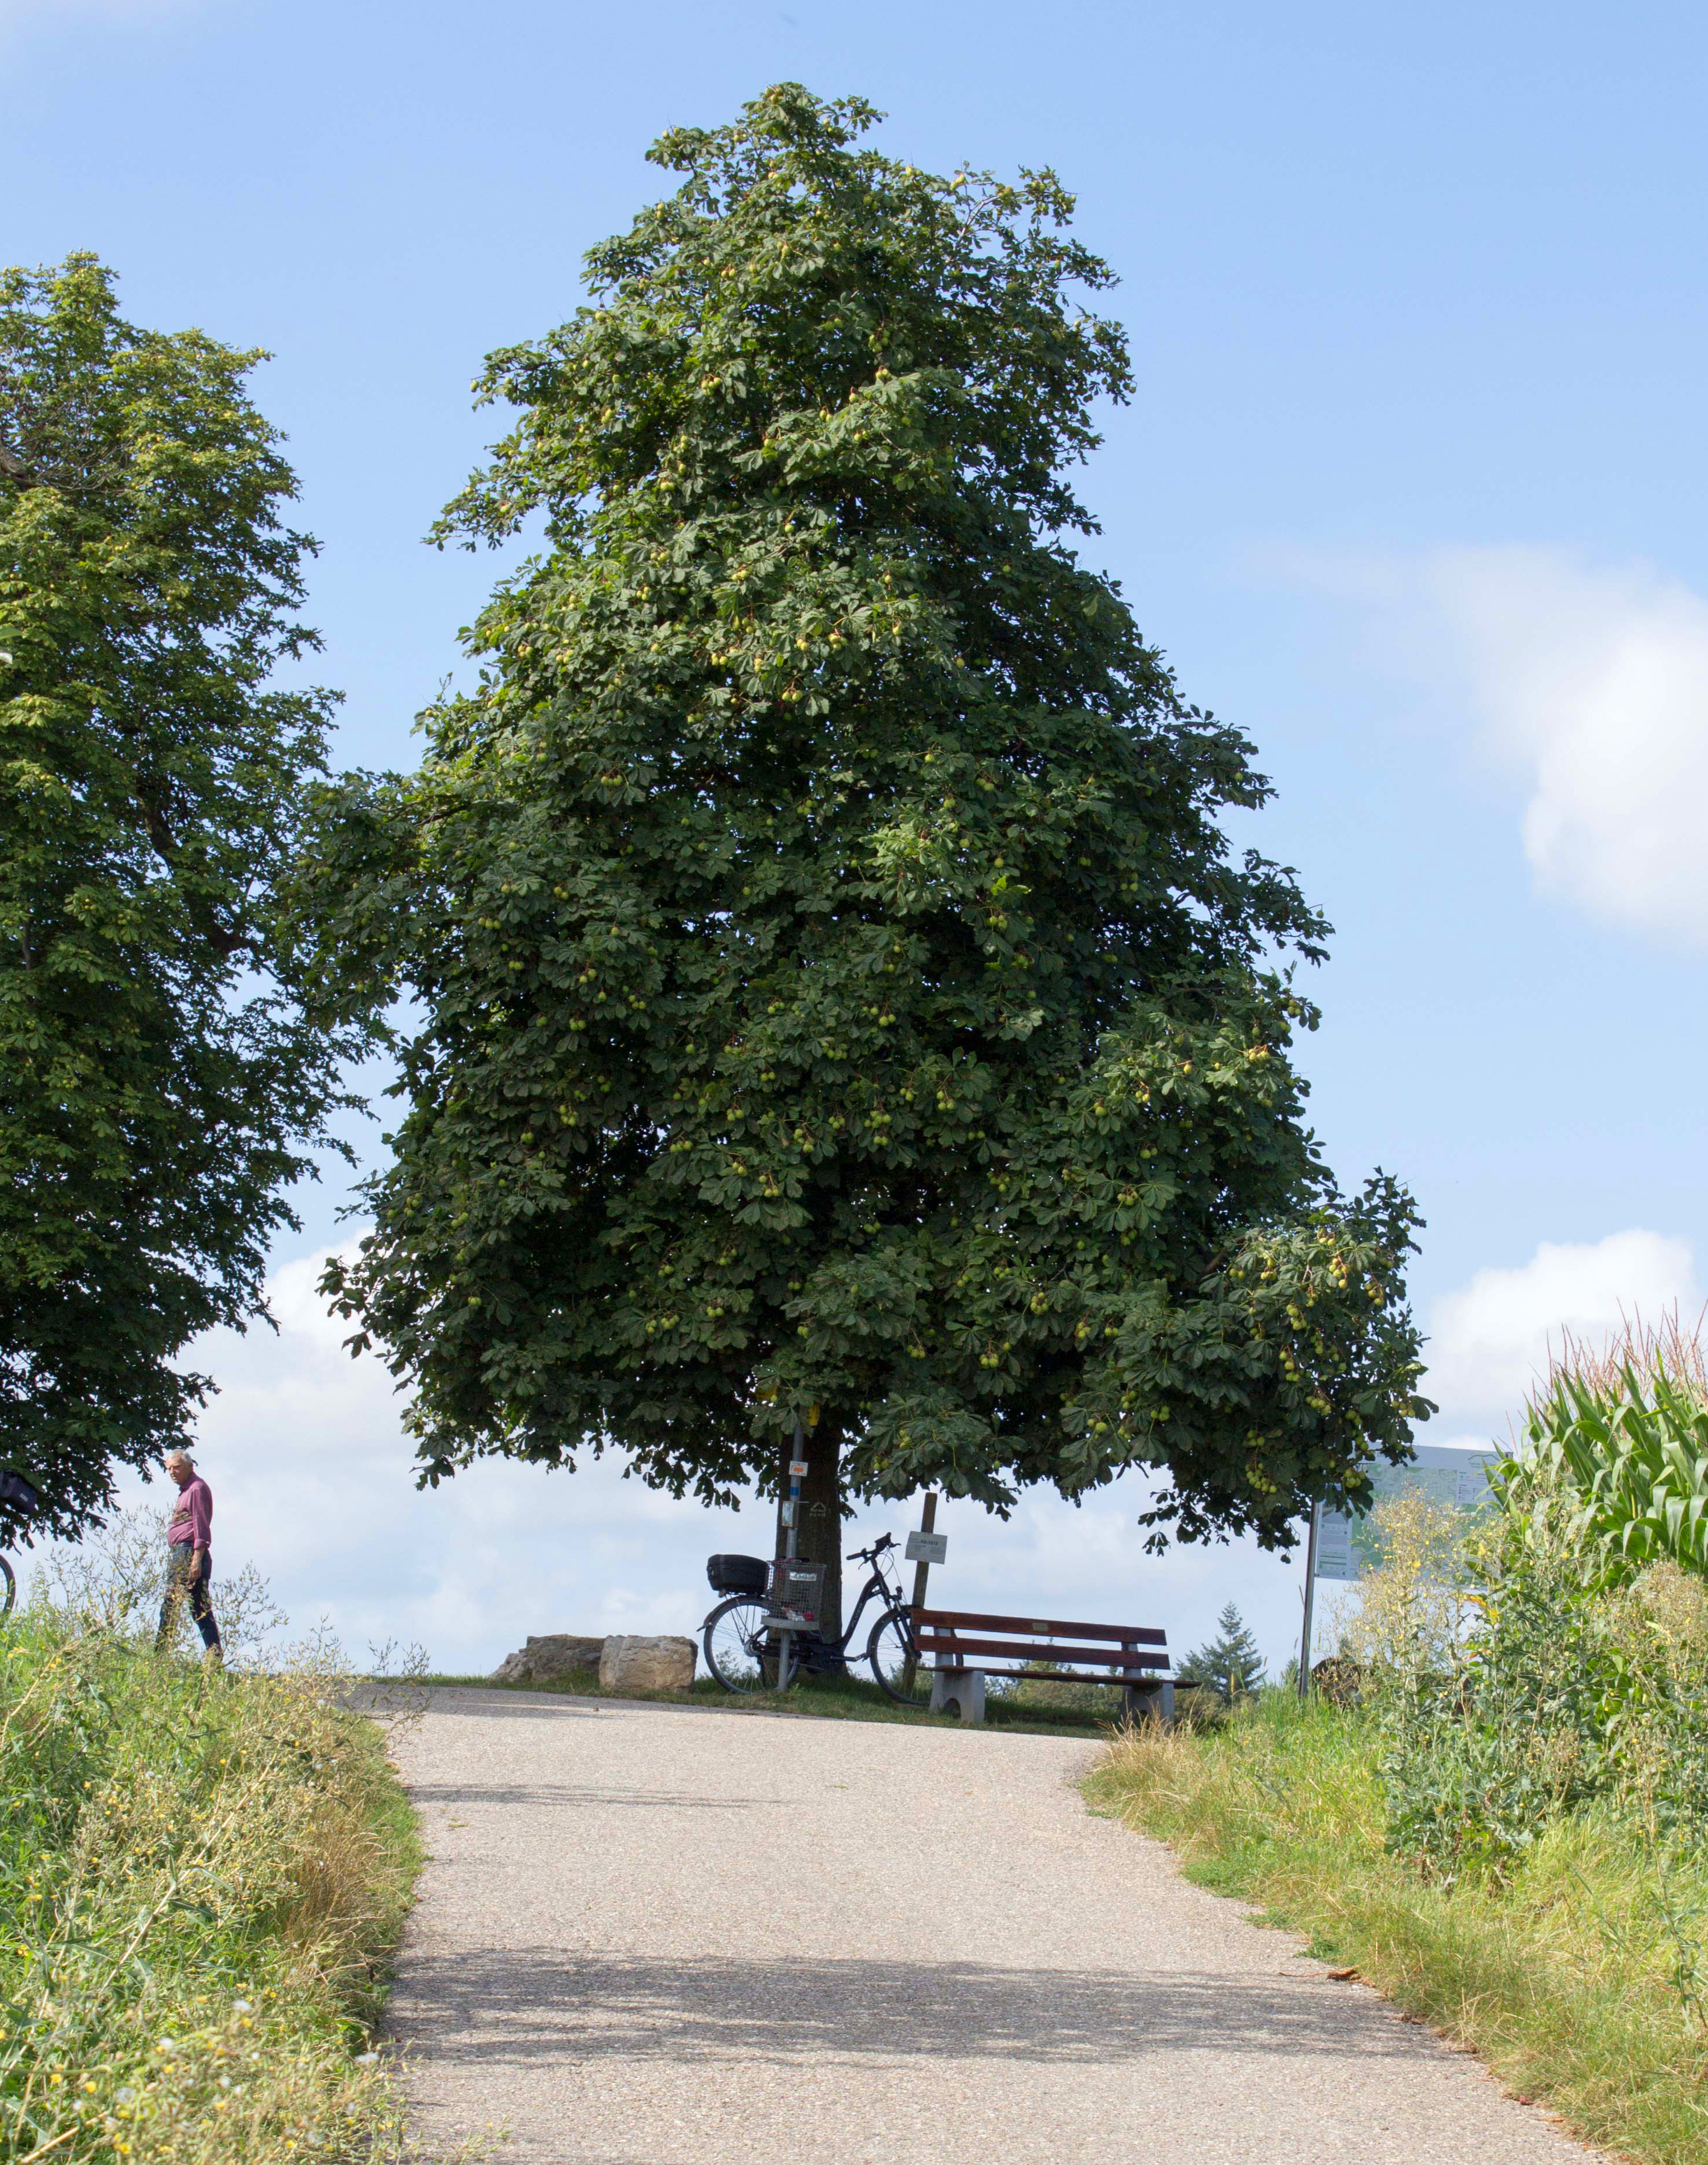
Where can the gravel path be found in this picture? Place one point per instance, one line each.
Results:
(658, 1936)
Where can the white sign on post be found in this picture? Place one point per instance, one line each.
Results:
(1347, 1543)
(926, 1548)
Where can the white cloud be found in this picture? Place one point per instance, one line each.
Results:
(1590, 682)
(1596, 681)
(1490, 1340)
(314, 1483)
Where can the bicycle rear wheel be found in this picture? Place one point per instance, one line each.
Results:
(896, 1662)
(737, 1652)
(8, 1588)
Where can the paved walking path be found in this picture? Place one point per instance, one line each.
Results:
(658, 1936)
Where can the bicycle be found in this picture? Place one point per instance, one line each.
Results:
(741, 1650)
(19, 1502)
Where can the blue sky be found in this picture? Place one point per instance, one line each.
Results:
(1410, 490)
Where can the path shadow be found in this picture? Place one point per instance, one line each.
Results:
(509, 1706)
(522, 2004)
(566, 1794)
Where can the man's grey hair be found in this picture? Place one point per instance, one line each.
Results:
(179, 1458)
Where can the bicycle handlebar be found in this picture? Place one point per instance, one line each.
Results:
(885, 1542)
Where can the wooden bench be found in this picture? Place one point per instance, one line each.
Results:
(964, 1649)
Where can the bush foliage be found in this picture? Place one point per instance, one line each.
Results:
(1506, 1830)
(1557, 1656)
(201, 1875)
(1576, 1974)
(163, 1087)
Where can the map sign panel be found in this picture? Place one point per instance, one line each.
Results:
(1346, 1542)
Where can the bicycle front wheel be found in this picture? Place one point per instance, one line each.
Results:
(8, 1588)
(894, 1660)
(736, 1650)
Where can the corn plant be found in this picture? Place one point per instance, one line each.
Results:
(1624, 1436)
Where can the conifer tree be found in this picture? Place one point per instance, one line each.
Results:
(1230, 1664)
(834, 984)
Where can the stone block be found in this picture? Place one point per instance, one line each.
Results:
(544, 1659)
(630, 1662)
(962, 1690)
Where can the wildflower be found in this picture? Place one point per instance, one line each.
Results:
(125, 2094)
(366, 2059)
(241, 2007)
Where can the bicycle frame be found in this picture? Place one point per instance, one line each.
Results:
(877, 1587)
(763, 1640)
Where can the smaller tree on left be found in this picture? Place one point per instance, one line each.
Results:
(161, 1085)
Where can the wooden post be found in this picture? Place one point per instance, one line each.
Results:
(927, 1521)
(921, 1571)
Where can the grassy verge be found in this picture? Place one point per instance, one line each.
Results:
(202, 1877)
(1581, 1978)
(1031, 1708)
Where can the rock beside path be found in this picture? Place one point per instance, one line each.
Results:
(544, 1659)
(632, 1664)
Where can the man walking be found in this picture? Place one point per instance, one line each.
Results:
(190, 1567)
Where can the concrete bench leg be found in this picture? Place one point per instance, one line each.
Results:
(1149, 1703)
(963, 1688)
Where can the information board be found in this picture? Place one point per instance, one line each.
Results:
(1348, 1545)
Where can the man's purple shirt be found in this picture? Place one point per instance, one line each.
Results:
(192, 1518)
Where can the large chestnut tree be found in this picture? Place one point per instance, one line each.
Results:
(830, 983)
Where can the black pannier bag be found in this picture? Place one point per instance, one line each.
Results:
(739, 1574)
(18, 1495)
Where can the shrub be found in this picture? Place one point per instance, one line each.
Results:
(200, 1876)
(1504, 1831)
(1580, 1973)
(1556, 1655)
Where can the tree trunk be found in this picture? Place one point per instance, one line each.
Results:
(818, 1526)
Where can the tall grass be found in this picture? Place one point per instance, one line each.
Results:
(1508, 1834)
(202, 1876)
(1579, 1974)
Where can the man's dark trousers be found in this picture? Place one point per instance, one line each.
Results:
(181, 1585)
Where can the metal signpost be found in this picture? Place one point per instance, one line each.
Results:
(798, 1588)
(1312, 1566)
(785, 1619)
(1344, 1545)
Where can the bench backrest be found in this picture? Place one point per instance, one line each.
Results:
(957, 1638)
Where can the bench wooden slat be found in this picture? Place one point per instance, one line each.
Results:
(1039, 1628)
(1130, 1679)
(957, 1645)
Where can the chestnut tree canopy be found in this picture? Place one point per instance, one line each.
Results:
(829, 980)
